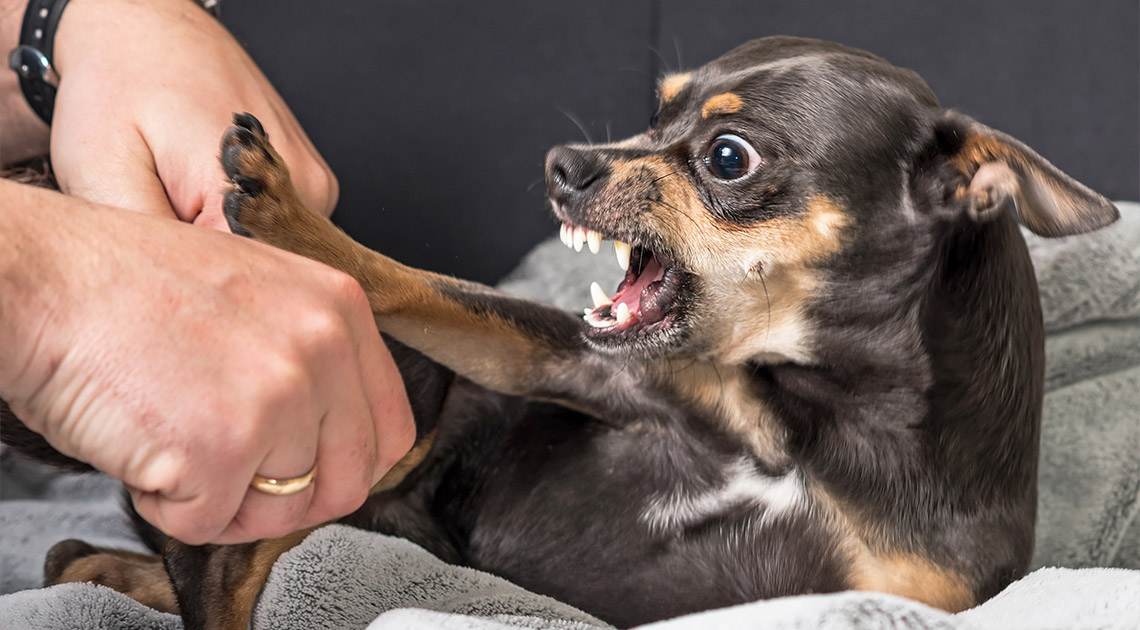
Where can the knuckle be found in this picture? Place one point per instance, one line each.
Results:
(348, 290)
(325, 329)
(343, 499)
(333, 189)
(284, 379)
(403, 439)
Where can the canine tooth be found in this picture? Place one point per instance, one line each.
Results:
(599, 296)
(622, 313)
(622, 250)
(594, 240)
(564, 233)
(579, 238)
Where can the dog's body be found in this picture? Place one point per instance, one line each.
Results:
(823, 371)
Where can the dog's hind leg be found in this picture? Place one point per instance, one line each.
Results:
(507, 344)
(136, 575)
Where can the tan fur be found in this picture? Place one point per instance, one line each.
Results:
(138, 576)
(252, 578)
(672, 85)
(913, 577)
(881, 565)
(978, 149)
(406, 464)
(407, 302)
(726, 393)
(995, 169)
(757, 277)
(726, 103)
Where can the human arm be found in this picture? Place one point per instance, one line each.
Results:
(146, 89)
(182, 361)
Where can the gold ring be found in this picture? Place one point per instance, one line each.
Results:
(282, 487)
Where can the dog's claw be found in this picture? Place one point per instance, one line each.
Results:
(246, 120)
(247, 160)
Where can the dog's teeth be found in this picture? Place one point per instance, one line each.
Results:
(599, 323)
(622, 250)
(564, 234)
(594, 240)
(622, 313)
(579, 238)
(587, 312)
(599, 296)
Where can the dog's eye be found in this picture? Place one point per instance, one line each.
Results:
(654, 119)
(731, 157)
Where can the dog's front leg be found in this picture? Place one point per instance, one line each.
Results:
(508, 344)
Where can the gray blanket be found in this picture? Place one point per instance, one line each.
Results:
(345, 578)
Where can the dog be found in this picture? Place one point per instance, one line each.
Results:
(822, 371)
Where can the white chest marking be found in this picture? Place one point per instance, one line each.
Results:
(742, 486)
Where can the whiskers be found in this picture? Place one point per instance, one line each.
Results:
(578, 123)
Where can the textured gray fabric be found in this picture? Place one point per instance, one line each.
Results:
(362, 575)
(343, 578)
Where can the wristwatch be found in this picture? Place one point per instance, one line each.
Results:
(32, 58)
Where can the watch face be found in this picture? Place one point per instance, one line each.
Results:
(32, 64)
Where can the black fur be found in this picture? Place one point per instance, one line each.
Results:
(914, 410)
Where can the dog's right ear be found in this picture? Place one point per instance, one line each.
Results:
(991, 173)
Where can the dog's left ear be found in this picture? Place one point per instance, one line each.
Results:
(1002, 174)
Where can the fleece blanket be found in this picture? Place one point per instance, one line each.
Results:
(1088, 534)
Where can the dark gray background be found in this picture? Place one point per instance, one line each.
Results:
(436, 114)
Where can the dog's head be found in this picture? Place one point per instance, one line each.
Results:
(777, 172)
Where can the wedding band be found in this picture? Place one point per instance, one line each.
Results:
(281, 487)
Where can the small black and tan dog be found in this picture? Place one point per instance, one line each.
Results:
(822, 371)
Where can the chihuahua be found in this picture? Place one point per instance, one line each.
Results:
(822, 370)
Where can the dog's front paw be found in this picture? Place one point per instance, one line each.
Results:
(262, 197)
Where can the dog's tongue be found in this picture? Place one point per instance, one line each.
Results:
(634, 295)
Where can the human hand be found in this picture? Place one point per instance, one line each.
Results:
(146, 89)
(112, 350)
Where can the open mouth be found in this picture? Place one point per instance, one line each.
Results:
(645, 302)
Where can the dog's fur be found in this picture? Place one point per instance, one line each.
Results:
(837, 383)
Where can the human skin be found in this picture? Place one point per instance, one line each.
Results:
(180, 360)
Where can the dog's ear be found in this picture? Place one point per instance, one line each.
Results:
(994, 173)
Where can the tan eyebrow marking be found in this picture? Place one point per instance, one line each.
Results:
(673, 84)
(727, 103)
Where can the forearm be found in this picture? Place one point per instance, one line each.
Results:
(29, 272)
(22, 134)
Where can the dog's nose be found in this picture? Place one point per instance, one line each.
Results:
(570, 172)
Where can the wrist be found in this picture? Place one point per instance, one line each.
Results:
(102, 31)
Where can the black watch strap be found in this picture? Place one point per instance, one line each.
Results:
(32, 59)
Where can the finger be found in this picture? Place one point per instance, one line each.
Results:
(311, 175)
(347, 451)
(265, 515)
(194, 521)
(212, 220)
(387, 401)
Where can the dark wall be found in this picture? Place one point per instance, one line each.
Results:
(436, 115)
